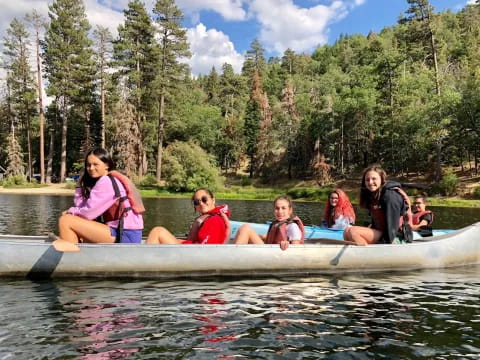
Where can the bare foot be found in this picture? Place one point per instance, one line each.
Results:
(65, 246)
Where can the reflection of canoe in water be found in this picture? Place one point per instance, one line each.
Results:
(35, 257)
(314, 232)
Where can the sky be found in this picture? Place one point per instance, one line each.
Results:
(221, 31)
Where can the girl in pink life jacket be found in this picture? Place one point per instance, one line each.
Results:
(211, 227)
(421, 216)
(387, 205)
(285, 230)
(96, 196)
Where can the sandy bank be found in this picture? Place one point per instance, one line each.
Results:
(53, 189)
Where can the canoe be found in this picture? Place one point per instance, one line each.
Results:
(35, 257)
(315, 232)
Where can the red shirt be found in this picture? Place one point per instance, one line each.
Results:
(212, 231)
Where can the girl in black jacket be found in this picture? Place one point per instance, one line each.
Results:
(386, 203)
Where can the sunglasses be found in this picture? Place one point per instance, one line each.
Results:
(203, 199)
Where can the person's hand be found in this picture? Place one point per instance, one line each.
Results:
(284, 244)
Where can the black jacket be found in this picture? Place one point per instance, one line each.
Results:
(393, 206)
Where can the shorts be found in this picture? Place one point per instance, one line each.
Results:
(128, 236)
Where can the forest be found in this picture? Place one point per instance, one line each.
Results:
(407, 97)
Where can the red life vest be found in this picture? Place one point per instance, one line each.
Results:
(379, 217)
(199, 221)
(278, 230)
(416, 216)
(119, 210)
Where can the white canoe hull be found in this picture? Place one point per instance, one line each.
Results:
(33, 257)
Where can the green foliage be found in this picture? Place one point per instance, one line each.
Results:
(476, 192)
(14, 181)
(448, 185)
(188, 167)
(147, 181)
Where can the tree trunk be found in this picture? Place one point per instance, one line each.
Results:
(63, 154)
(51, 149)
(438, 167)
(161, 124)
(40, 110)
(102, 100)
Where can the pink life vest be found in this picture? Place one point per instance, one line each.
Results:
(118, 209)
(278, 230)
(416, 216)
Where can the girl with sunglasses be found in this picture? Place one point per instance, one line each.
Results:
(286, 229)
(211, 227)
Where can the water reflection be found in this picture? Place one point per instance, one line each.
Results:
(422, 314)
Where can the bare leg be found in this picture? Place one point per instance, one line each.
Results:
(362, 235)
(246, 235)
(160, 235)
(72, 228)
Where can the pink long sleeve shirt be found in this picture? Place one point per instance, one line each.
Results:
(102, 196)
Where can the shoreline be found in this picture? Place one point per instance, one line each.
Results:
(52, 189)
(59, 189)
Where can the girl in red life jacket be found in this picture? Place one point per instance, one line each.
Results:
(211, 227)
(386, 205)
(285, 230)
(421, 216)
(339, 211)
(94, 197)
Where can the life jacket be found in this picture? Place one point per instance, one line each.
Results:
(199, 221)
(416, 216)
(379, 216)
(278, 230)
(119, 210)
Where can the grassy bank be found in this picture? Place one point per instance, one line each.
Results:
(250, 192)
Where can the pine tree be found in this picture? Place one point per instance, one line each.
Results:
(135, 57)
(69, 66)
(173, 45)
(103, 52)
(20, 80)
(14, 155)
(38, 23)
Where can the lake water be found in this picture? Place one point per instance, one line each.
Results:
(409, 315)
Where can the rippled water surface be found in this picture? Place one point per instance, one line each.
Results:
(420, 315)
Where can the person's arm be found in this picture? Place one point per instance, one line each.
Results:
(392, 205)
(102, 196)
(423, 222)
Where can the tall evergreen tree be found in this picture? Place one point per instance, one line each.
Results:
(173, 45)
(103, 39)
(68, 59)
(39, 23)
(135, 58)
(22, 86)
